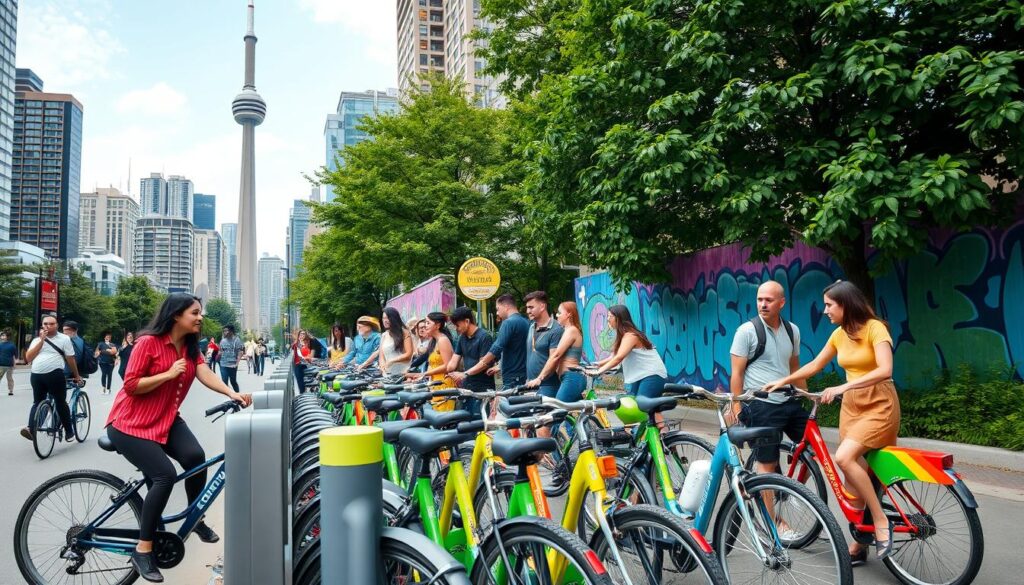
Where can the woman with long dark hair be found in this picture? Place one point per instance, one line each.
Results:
(337, 345)
(145, 425)
(440, 353)
(302, 356)
(106, 354)
(870, 415)
(642, 368)
(396, 345)
(125, 352)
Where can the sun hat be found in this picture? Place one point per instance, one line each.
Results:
(371, 321)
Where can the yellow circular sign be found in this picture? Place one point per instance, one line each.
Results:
(479, 279)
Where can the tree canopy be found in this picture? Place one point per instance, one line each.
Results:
(135, 303)
(222, 312)
(16, 294)
(659, 128)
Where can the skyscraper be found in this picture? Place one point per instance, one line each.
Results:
(204, 211)
(153, 195)
(271, 291)
(229, 231)
(298, 222)
(8, 26)
(179, 197)
(421, 40)
(461, 61)
(249, 110)
(208, 265)
(107, 220)
(46, 169)
(342, 128)
(170, 197)
(164, 251)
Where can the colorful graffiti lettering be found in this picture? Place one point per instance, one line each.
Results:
(436, 294)
(957, 302)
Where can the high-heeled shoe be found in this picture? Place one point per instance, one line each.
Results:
(860, 558)
(883, 548)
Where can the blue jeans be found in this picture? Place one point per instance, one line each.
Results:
(229, 376)
(571, 389)
(512, 381)
(650, 387)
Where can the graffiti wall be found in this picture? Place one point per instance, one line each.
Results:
(959, 301)
(436, 294)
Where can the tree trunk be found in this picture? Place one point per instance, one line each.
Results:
(855, 265)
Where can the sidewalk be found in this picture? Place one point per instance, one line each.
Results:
(986, 470)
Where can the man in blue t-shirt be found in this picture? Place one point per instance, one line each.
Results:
(509, 347)
(7, 353)
(71, 330)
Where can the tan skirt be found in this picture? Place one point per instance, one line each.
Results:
(871, 416)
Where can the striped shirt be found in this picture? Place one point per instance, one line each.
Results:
(150, 415)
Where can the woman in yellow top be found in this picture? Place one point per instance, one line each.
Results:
(870, 415)
(337, 346)
(440, 352)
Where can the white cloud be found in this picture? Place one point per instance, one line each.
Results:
(159, 100)
(85, 49)
(375, 21)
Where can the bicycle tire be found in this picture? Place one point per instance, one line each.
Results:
(538, 535)
(678, 557)
(304, 490)
(47, 426)
(941, 498)
(631, 490)
(81, 410)
(485, 517)
(24, 525)
(728, 528)
(681, 449)
(556, 481)
(815, 479)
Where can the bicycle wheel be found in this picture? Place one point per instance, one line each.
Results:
(656, 548)
(55, 512)
(681, 450)
(805, 471)
(631, 489)
(47, 426)
(502, 491)
(949, 546)
(81, 414)
(409, 557)
(792, 559)
(527, 541)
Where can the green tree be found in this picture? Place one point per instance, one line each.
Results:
(135, 303)
(80, 302)
(222, 312)
(211, 327)
(16, 294)
(658, 128)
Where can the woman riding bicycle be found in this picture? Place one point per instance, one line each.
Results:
(870, 415)
(145, 425)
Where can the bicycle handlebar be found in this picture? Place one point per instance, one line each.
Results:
(224, 407)
(477, 426)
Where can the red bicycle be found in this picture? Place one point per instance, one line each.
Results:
(937, 533)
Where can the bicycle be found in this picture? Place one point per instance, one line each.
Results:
(925, 498)
(747, 520)
(47, 426)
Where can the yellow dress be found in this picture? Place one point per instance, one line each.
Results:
(870, 416)
(440, 404)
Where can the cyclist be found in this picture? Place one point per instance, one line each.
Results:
(71, 330)
(509, 347)
(49, 354)
(473, 343)
(870, 415)
(144, 422)
(396, 347)
(366, 345)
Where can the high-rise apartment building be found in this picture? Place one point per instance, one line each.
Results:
(342, 128)
(179, 197)
(164, 251)
(298, 223)
(421, 40)
(8, 38)
(170, 197)
(107, 221)
(46, 167)
(208, 265)
(229, 231)
(153, 195)
(204, 211)
(462, 17)
(271, 291)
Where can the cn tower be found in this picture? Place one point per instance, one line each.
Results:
(249, 110)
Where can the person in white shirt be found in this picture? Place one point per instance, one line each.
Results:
(48, 355)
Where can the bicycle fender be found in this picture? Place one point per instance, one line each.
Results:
(450, 570)
(393, 488)
(962, 490)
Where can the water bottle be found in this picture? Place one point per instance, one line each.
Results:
(696, 482)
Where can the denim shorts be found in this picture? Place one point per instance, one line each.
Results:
(650, 387)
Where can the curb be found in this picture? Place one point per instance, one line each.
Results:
(962, 453)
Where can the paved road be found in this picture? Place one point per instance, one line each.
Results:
(21, 471)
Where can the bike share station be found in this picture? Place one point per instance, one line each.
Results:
(263, 543)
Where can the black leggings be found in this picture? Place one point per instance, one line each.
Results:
(108, 375)
(54, 384)
(151, 458)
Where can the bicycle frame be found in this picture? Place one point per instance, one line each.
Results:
(123, 540)
(461, 542)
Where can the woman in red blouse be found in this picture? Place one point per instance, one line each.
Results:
(144, 423)
(302, 355)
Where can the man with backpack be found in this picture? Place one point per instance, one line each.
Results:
(84, 357)
(765, 349)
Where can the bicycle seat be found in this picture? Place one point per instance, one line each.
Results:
(394, 428)
(521, 451)
(445, 420)
(413, 399)
(353, 385)
(754, 436)
(339, 399)
(429, 441)
(382, 404)
(519, 410)
(106, 444)
(652, 405)
(329, 377)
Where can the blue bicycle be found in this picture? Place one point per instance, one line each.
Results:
(60, 538)
(46, 425)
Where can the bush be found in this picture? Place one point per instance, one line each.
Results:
(962, 407)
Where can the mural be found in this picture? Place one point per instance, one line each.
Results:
(436, 294)
(959, 301)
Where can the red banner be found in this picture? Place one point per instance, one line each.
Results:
(48, 298)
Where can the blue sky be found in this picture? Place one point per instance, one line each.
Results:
(157, 79)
